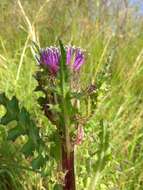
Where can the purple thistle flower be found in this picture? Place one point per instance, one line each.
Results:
(50, 57)
(75, 57)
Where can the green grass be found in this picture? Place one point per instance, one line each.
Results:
(119, 102)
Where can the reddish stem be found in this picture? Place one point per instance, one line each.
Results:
(68, 167)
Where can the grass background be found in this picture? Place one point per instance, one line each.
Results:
(112, 35)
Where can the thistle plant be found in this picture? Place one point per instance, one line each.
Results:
(58, 79)
(62, 100)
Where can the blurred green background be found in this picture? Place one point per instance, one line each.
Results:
(111, 32)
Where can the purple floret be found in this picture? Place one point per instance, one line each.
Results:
(50, 57)
(75, 57)
(79, 59)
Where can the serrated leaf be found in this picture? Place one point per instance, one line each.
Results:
(12, 109)
(25, 126)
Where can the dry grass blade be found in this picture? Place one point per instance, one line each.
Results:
(31, 33)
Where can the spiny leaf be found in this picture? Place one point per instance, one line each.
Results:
(11, 107)
(25, 126)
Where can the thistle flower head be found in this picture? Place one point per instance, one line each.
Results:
(75, 57)
(50, 57)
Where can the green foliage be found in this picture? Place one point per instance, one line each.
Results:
(57, 187)
(121, 104)
(103, 152)
(12, 109)
(25, 126)
(55, 149)
(63, 74)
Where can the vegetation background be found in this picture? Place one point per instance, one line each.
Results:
(112, 34)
